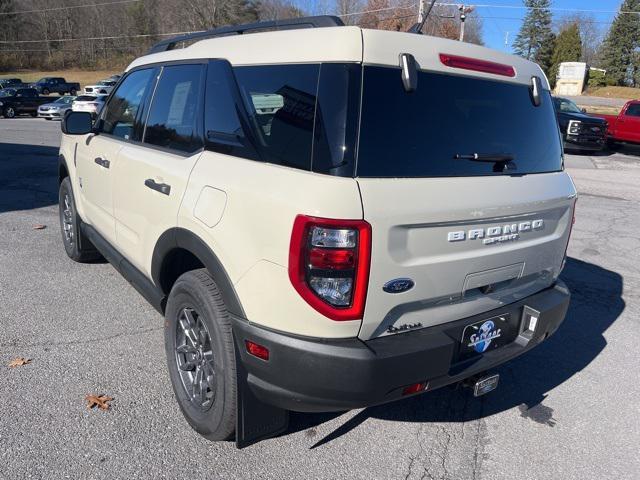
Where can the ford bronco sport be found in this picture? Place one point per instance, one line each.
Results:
(328, 218)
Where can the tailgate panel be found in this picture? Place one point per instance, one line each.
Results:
(470, 244)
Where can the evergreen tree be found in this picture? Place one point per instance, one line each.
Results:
(535, 40)
(568, 48)
(618, 50)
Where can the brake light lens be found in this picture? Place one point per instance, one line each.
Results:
(477, 65)
(329, 265)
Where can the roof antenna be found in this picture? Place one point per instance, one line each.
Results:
(417, 27)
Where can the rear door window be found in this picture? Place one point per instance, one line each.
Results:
(419, 134)
(174, 112)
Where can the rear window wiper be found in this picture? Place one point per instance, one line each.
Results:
(501, 161)
(486, 157)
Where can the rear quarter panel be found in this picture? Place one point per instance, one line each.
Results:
(255, 205)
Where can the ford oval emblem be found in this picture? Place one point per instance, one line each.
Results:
(398, 285)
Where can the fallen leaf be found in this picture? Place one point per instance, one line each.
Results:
(38, 226)
(102, 401)
(18, 362)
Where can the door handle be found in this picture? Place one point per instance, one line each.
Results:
(158, 187)
(103, 162)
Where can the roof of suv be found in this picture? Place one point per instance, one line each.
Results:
(345, 44)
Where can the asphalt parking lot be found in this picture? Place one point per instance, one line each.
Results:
(567, 410)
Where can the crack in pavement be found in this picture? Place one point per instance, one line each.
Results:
(16, 344)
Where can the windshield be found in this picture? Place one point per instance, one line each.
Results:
(43, 80)
(7, 92)
(86, 98)
(436, 130)
(565, 105)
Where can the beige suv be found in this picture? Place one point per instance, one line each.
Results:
(328, 218)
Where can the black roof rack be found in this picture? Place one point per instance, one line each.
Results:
(286, 24)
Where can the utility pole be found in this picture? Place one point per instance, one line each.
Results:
(463, 16)
(421, 8)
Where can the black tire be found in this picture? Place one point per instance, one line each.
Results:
(195, 304)
(73, 92)
(77, 246)
(47, 118)
(45, 91)
(9, 112)
(34, 114)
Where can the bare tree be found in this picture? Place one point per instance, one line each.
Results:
(349, 10)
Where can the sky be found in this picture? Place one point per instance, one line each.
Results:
(501, 25)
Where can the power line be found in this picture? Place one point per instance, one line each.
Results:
(115, 37)
(396, 17)
(557, 9)
(71, 7)
(414, 5)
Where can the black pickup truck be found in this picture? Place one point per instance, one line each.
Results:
(48, 85)
(14, 101)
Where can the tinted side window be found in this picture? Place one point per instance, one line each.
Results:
(633, 110)
(336, 130)
(225, 129)
(121, 117)
(173, 115)
(281, 99)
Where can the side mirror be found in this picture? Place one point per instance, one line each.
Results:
(77, 123)
(583, 110)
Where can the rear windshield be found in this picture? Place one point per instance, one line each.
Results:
(419, 134)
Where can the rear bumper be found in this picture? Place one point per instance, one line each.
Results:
(310, 375)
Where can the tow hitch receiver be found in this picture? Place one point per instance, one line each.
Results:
(483, 384)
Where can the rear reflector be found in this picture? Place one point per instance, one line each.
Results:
(477, 65)
(257, 350)
(415, 388)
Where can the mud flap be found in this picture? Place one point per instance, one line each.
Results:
(255, 420)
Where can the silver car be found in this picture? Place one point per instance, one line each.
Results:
(56, 110)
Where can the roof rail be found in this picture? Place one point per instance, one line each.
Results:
(286, 24)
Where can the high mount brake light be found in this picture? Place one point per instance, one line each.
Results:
(477, 65)
(329, 265)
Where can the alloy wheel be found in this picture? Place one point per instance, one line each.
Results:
(67, 219)
(194, 359)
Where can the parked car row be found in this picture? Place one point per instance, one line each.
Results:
(19, 101)
(20, 98)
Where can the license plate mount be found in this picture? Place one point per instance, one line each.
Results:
(486, 335)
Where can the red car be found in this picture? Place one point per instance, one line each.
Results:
(624, 127)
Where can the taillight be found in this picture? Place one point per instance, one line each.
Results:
(477, 65)
(329, 264)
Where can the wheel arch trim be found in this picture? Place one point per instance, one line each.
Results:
(180, 238)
